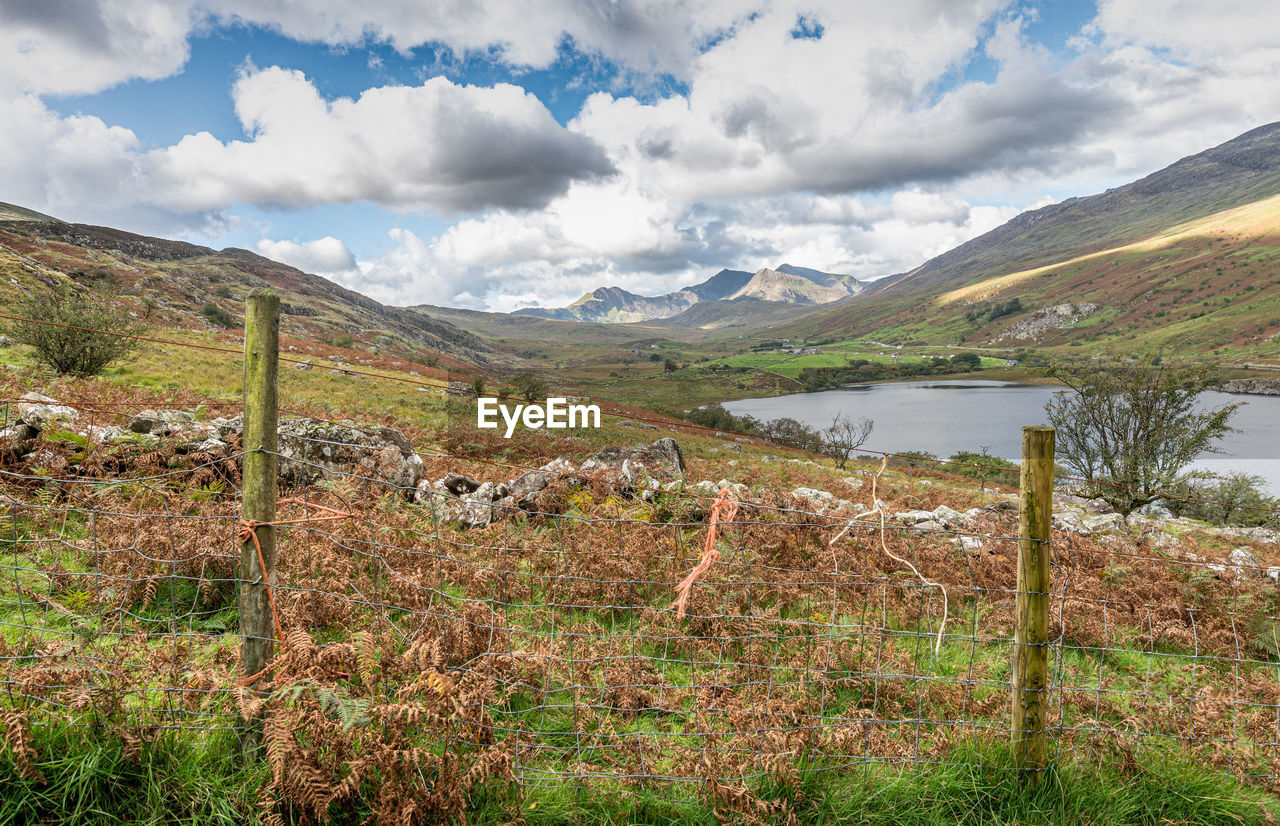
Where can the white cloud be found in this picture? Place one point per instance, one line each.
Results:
(76, 46)
(435, 146)
(644, 35)
(80, 169)
(84, 46)
(504, 262)
(323, 255)
(1191, 30)
(861, 151)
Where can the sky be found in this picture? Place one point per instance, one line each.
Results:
(497, 154)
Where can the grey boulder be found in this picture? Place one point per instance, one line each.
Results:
(661, 459)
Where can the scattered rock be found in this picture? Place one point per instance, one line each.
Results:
(225, 429)
(50, 461)
(1154, 511)
(212, 445)
(560, 467)
(40, 411)
(1244, 563)
(17, 439)
(739, 490)
(913, 517)
(459, 483)
(661, 459)
(815, 497)
(947, 516)
(1256, 387)
(459, 388)
(311, 450)
(304, 365)
(1071, 521)
(1105, 523)
(529, 482)
(703, 488)
(1059, 316)
(162, 422)
(1256, 534)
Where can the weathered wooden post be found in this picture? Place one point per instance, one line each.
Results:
(1030, 674)
(261, 370)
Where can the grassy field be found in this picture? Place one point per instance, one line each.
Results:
(535, 668)
(839, 355)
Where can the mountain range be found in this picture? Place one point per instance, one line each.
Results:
(785, 285)
(1186, 258)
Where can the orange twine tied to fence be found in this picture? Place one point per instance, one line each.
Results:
(723, 509)
(248, 532)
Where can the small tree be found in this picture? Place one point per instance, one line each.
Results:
(218, 316)
(74, 332)
(844, 437)
(477, 385)
(791, 432)
(1233, 498)
(529, 386)
(1130, 428)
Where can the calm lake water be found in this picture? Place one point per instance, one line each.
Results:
(943, 417)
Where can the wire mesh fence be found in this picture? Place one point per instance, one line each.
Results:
(546, 648)
(597, 635)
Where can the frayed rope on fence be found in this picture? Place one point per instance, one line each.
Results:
(723, 509)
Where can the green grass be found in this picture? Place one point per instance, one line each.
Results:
(89, 778)
(974, 787)
(833, 355)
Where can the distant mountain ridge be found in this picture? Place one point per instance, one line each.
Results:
(784, 284)
(1182, 260)
(798, 285)
(178, 279)
(1240, 171)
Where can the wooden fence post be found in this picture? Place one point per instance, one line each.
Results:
(261, 370)
(1030, 673)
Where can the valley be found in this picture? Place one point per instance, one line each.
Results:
(639, 413)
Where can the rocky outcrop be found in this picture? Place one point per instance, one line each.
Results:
(311, 450)
(39, 411)
(1057, 317)
(471, 503)
(661, 459)
(166, 422)
(1254, 387)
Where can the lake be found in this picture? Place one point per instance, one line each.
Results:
(943, 417)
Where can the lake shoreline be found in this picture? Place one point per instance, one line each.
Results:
(946, 415)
